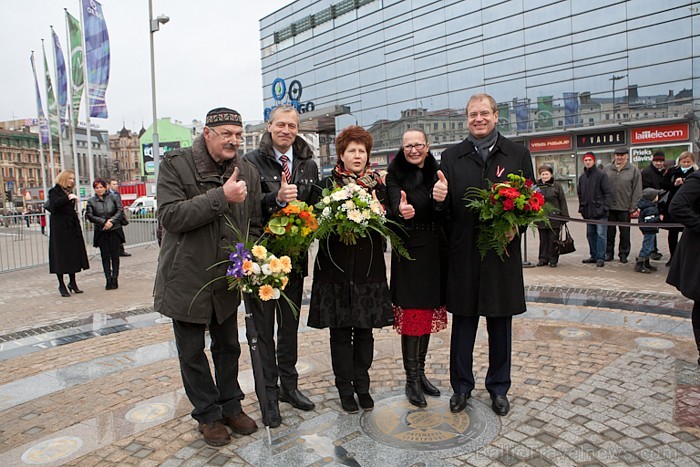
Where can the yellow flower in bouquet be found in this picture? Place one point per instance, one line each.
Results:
(289, 231)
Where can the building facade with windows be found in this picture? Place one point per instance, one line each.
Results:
(568, 76)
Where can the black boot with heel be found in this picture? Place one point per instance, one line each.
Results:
(426, 385)
(410, 352)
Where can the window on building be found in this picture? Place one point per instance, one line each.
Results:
(435, 126)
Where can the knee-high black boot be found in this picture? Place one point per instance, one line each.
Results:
(426, 385)
(410, 352)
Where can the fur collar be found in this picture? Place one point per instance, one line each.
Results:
(410, 176)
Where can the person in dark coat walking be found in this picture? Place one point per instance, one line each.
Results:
(554, 195)
(594, 198)
(67, 254)
(349, 294)
(200, 189)
(684, 272)
(287, 173)
(672, 182)
(106, 212)
(417, 286)
(491, 287)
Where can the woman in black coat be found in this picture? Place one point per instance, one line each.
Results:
(673, 181)
(67, 253)
(418, 285)
(554, 196)
(349, 294)
(106, 212)
(684, 273)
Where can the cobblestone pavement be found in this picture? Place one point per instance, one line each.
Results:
(604, 373)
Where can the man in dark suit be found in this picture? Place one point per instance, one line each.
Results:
(491, 287)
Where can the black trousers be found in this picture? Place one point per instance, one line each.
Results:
(212, 399)
(109, 250)
(625, 245)
(279, 361)
(547, 252)
(352, 352)
(462, 354)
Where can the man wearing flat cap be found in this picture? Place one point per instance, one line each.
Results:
(626, 182)
(199, 189)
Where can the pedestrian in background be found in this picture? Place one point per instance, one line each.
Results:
(554, 195)
(418, 285)
(106, 212)
(684, 272)
(648, 214)
(652, 175)
(673, 181)
(626, 184)
(67, 254)
(594, 198)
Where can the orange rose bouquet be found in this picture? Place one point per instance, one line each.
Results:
(290, 231)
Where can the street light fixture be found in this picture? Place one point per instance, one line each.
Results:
(154, 25)
(613, 79)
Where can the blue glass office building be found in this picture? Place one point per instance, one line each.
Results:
(569, 75)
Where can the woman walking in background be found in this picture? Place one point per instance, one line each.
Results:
(67, 253)
(684, 273)
(554, 195)
(106, 212)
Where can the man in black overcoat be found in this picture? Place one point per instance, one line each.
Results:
(491, 287)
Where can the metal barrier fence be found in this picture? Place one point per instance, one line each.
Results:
(25, 244)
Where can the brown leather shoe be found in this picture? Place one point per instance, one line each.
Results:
(215, 433)
(241, 424)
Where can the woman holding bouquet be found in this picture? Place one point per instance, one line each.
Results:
(349, 293)
(554, 195)
(418, 286)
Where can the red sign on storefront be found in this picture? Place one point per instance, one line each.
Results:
(662, 133)
(551, 143)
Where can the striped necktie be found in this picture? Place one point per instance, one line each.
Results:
(285, 168)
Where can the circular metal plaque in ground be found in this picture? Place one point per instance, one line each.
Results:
(52, 450)
(654, 343)
(397, 423)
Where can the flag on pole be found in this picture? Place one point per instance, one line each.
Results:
(50, 98)
(570, 108)
(97, 57)
(76, 64)
(61, 78)
(43, 129)
(545, 112)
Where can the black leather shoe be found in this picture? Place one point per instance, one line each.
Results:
(500, 405)
(366, 401)
(274, 419)
(608, 257)
(74, 288)
(349, 404)
(63, 291)
(600, 263)
(589, 261)
(656, 256)
(458, 402)
(297, 399)
(542, 263)
(124, 253)
(623, 259)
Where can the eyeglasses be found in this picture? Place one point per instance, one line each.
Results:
(226, 136)
(410, 147)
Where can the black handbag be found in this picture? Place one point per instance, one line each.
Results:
(564, 245)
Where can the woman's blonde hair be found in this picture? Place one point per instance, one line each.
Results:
(62, 178)
(686, 155)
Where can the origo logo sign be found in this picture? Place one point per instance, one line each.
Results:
(292, 96)
(655, 134)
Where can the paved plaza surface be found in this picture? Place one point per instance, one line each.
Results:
(604, 373)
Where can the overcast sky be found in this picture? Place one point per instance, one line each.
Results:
(208, 55)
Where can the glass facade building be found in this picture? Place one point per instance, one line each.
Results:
(569, 76)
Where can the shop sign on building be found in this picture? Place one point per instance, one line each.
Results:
(551, 143)
(660, 133)
(606, 138)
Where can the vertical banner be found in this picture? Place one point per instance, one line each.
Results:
(522, 117)
(570, 108)
(503, 118)
(97, 57)
(50, 99)
(545, 113)
(76, 61)
(61, 78)
(43, 129)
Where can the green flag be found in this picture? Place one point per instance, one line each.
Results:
(50, 98)
(76, 61)
(503, 118)
(545, 113)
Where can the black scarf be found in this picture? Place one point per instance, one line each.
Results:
(483, 145)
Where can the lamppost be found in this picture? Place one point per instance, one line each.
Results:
(613, 79)
(154, 25)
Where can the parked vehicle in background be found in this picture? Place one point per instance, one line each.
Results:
(143, 205)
